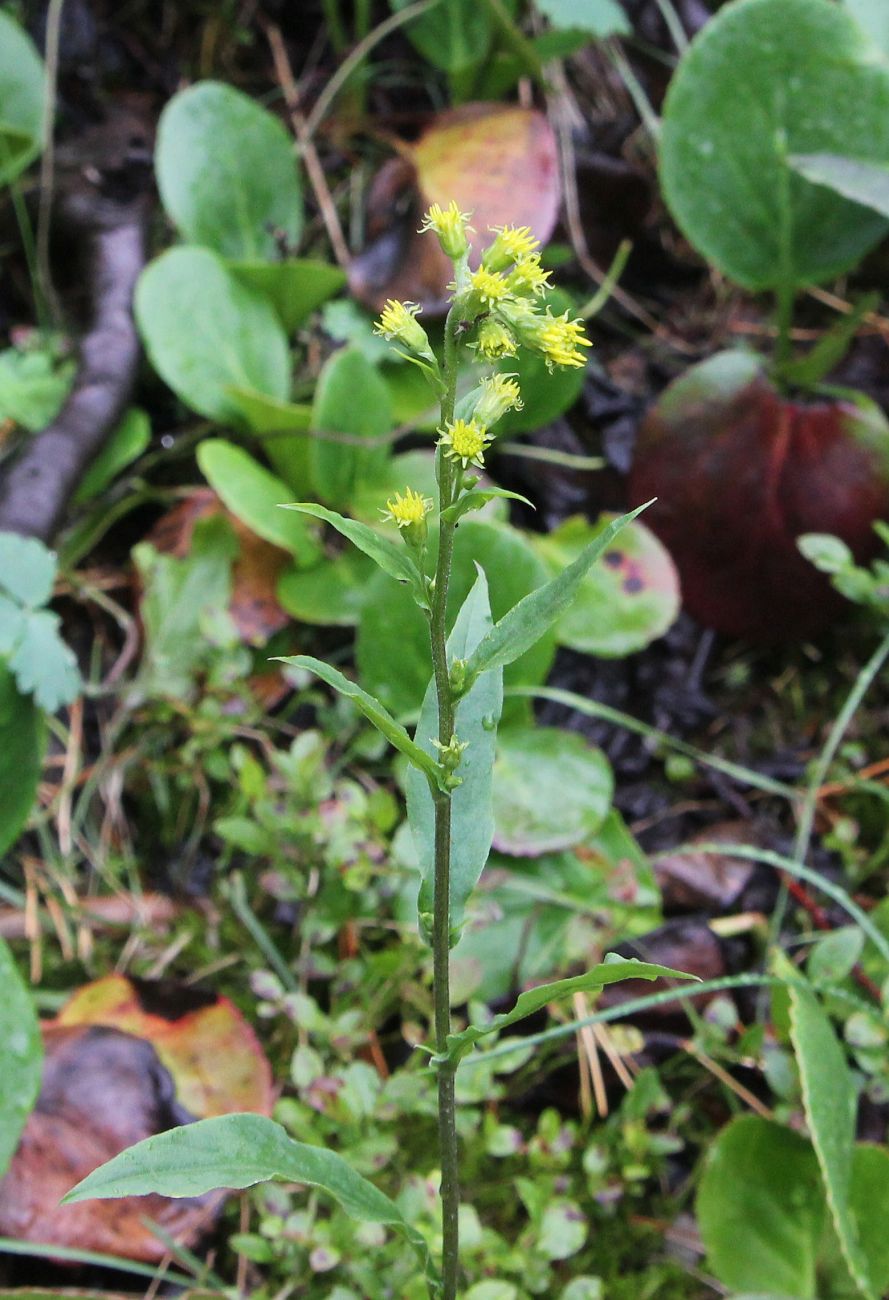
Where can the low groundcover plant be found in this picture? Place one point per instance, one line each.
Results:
(494, 309)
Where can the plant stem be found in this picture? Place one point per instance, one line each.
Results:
(441, 922)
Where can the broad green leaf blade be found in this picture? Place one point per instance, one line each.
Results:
(238, 1151)
(22, 1055)
(352, 401)
(761, 1209)
(34, 382)
(611, 971)
(254, 494)
(393, 558)
(295, 288)
(873, 16)
(21, 753)
(472, 818)
(452, 35)
(372, 710)
(862, 182)
(552, 790)
(227, 173)
(527, 621)
(43, 664)
(330, 594)
(476, 500)
(27, 570)
(600, 18)
(22, 99)
(284, 428)
(766, 80)
(206, 333)
(830, 1104)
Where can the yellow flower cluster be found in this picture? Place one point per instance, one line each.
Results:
(450, 224)
(410, 508)
(560, 341)
(465, 441)
(512, 244)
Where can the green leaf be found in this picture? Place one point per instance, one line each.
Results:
(27, 570)
(22, 97)
(622, 604)
(21, 752)
(372, 710)
(472, 821)
(254, 495)
(330, 594)
(126, 444)
(295, 288)
(862, 182)
(763, 81)
(392, 648)
(22, 1056)
(601, 18)
(830, 1104)
(179, 596)
(43, 664)
(763, 1215)
(552, 790)
(393, 558)
(350, 399)
(611, 971)
(761, 1210)
(284, 427)
(452, 35)
(227, 173)
(477, 499)
(206, 333)
(809, 370)
(527, 621)
(873, 17)
(239, 1151)
(33, 382)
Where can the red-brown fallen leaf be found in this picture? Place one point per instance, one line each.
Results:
(211, 1052)
(740, 472)
(497, 161)
(254, 606)
(102, 1091)
(692, 880)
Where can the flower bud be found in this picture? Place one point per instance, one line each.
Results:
(450, 224)
(500, 393)
(398, 323)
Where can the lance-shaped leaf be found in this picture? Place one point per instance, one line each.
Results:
(396, 560)
(475, 501)
(527, 621)
(830, 1103)
(238, 1151)
(373, 711)
(472, 818)
(22, 1056)
(611, 971)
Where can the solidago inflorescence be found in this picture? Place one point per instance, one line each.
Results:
(498, 305)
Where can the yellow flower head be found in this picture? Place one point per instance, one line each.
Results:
(500, 393)
(465, 440)
(495, 341)
(527, 276)
(488, 286)
(511, 244)
(450, 224)
(560, 341)
(411, 508)
(397, 321)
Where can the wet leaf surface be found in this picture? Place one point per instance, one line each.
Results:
(497, 161)
(740, 473)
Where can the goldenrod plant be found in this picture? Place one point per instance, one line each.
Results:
(495, 308)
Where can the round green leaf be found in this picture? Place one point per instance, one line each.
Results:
(255, 495)
(295, 288)
(352, 400)
(393, 636)
(226, 171)
(331, 593)
(630, 598)
(551, 790)
(21, 99)
(763, 80)
(205, 332)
